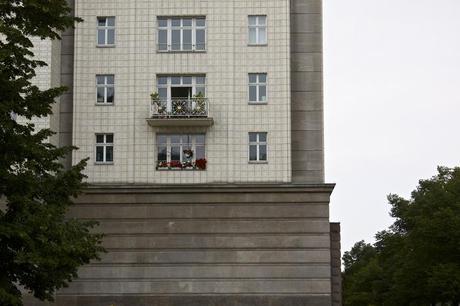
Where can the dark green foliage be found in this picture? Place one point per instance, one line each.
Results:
(417, 260)
(40, 250)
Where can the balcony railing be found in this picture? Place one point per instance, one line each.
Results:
(176, 108)
(180, 112)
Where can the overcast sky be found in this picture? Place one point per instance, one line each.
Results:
(392, 103)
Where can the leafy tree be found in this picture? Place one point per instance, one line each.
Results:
(40, 250)
(417, 260)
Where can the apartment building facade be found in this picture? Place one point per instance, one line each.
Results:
(203, 124)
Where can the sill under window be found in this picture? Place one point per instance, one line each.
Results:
(257, 45)
(178, 169)
(104, 104)
(257, 162)
(258, 103)
(105, 46)
(103, 163)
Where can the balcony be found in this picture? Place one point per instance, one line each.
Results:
(179, 112)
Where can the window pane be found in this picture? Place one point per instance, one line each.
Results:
(109, 154)
(99, 138)
(110, 79)
(101, 37)
(99, 154)
(110, 94)
(111, 21)
(252, 78)
(111, 37)
(201, 22)
(163, 93)
(253, 93)
(175, 153)
(163, 39)
(262, 78)
(175, 45)
(186, 80)
(109, 138)
(262, 137)
(175, 22)
(186, 140)
(199, 139)
(162, 81)
(161, 153)
(253, 152)
(252, 137)
(262, 36)
(263, 152)
(201, 90)
(262, 93)
(100, 79)
(175, 139)
(100, 94)
(200, 39)
(262, 20)
(187, 39)
(187, 22)
(161, 139)
(200, 153)
(101, 21)
(252, 36)
(163, 22)
(201, 80)
(176, 80)
(252, 20)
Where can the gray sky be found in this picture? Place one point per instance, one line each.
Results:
(392, 103)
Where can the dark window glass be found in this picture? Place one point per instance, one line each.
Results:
(163, 23)
(262, 137)
(109, 154)
(200, 39)
(175, 45)
(110, 94)
(101, 37)
(262, 152)
(99, 154)
(200, 152)
(111, 37)
(99, 138)
(252, 152)
(201, 22)
(163, 40)
(252, 137)
(162, 156)
(100, 94)
(253, 93)
(175, 153)
(109, 138)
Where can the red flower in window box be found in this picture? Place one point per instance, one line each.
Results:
(162, 164)
(201, 164)
(175, 164)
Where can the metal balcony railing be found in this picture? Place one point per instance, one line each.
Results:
(180, 108)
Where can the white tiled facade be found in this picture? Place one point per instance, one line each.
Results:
(135, 63)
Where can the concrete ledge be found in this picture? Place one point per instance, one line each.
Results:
(213, 300)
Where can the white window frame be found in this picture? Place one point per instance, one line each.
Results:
(258, 143)
(105, 86)
(258, 26)
(258, 84)
(169, 144)
(169, 28)
(106, 28)
(104, 145)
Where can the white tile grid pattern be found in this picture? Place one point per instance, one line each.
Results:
(227, 62)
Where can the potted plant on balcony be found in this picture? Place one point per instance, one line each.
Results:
(200, 164)
(200, 104)
(156, 102)
(162, 165)
(175, 164)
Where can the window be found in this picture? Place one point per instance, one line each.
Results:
(257, 30)
(258, 147)
(105, 31)
(182, 34)
(105, 87)
(257, 87)
(181, 151)
(104, 148)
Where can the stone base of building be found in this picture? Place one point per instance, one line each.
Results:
(207, 245)
(188, 301)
